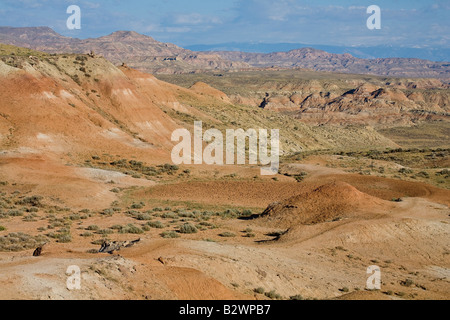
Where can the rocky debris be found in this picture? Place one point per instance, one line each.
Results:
(111, 246)
(38, 250)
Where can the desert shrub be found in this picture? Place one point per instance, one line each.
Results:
(259, 290)
(34, 201)
(297, 297)
(423, 174)
(168, 215)
(2, 228)
(57, 222)
(299, 178)
(81, 58)
(407, 283)
(30, 218)
(87, 234)
(74, 217)
(185, 214)
(168, 168)
(131, 228)
(19, 241)
(444, 172)
(105, 231)
(207, 225)
(200, 228)
(227, 234)
(76, 79)
(169, 234)
(188, 228)
(156, 224)
(61, 236)
(14, 213)
(229, 213)
(246, 213)
(405, 171)
(273, 295)
(135, 163)
(92, 228)
(107, 212)
(143, 217)
(139, 205)
(99, 241)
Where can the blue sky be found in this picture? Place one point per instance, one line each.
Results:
(410, 23)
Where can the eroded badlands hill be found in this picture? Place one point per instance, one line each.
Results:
(328, 98)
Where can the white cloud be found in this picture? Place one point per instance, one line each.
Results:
(195, 19)
(177, 29)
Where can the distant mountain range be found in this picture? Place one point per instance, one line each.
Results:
(136, 50)
(149, 55)
(309, 58)
(362, 52)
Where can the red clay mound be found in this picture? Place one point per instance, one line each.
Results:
(328, 202)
